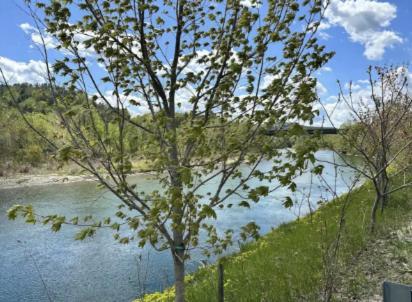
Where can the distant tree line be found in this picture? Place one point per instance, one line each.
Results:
(21, 149)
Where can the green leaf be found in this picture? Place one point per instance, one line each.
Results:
(134, 223)
(250, 230)
(244, 203)
(160, 21)
(13, 211)
(120, 214)
(84, 233)
(115, 226)
(207, 211)
(57, 223)
(64, 153)
(318, 169)
(262, 190)
(288, 202)
(124, 240)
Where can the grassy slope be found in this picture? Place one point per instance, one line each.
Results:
(287, 264)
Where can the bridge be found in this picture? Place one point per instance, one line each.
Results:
(307, 129)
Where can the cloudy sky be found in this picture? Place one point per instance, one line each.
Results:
(362, 32)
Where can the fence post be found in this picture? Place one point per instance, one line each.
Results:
(220, 281)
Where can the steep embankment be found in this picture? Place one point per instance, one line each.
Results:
(295, 262)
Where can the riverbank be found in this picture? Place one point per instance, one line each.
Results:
(293, 263)
(46, 175)
(28, 180)
(69, 174)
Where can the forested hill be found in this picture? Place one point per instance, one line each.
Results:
(21, 149)
(19, 146)
(31, 98)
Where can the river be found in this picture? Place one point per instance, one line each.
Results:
(37, 264)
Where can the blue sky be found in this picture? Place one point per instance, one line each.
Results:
(362, 32)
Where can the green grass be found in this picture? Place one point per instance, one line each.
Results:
(287, 264)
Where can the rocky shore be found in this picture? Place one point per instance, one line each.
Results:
(26, 180)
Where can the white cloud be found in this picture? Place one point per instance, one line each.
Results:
(321, 30)
(250, 3)
(337, 111)
(323, 70)
(320, 88)
(81, 37)
(324, 35)
(194, 66)
(324, 26)
(112, 99)
(35, 36)
(268, 80)
(51, 43)
(33, 72)
(364, 82)
(364, 21)
(376, 44)
(358, 85)
(247, 3)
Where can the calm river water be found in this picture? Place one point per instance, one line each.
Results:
(36, 264)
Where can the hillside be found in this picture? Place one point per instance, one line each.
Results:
(23, 151)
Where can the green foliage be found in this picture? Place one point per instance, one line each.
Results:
(84, 233)
(18, 144)
(288, 202)
(30, 98)
(13, 211)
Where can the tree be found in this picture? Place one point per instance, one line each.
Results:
(380, 132)
(212, 75)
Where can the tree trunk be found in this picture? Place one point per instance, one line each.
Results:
(384, 183)
(179, 269)
(176, 190)
(381, 188)
(374, 212)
